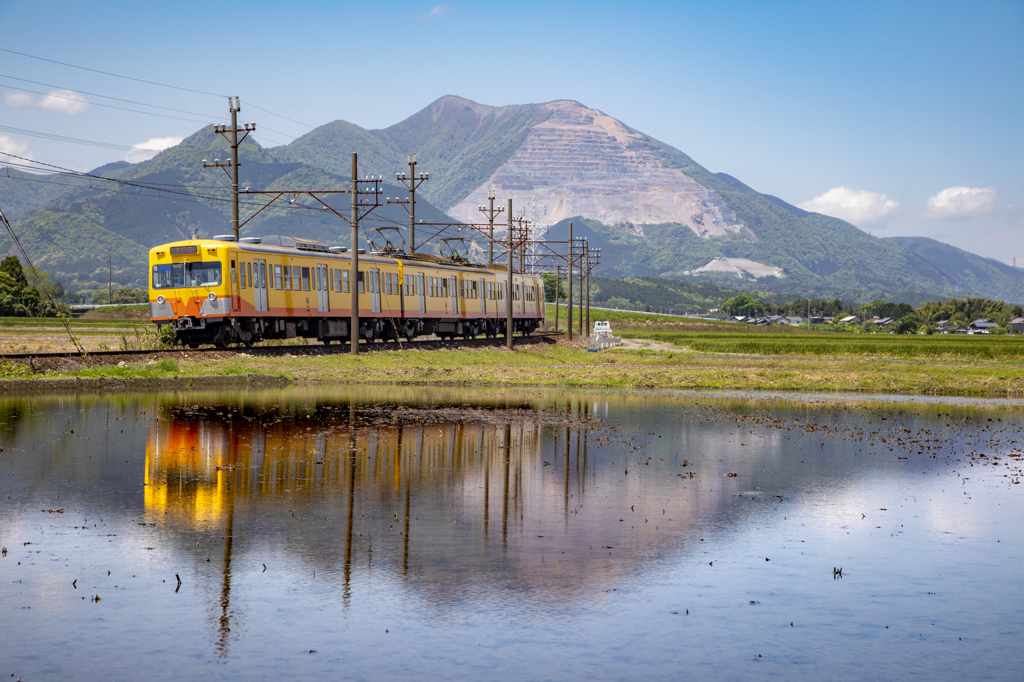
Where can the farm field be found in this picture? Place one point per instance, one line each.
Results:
(835, 345)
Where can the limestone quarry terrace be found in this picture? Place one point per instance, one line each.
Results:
(582, 162)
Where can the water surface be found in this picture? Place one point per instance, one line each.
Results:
(402, 533)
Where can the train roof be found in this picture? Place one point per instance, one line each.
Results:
(298, 246)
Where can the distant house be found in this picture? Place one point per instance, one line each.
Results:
(795, 320)
(850, 319)
(1017, 325)
(881, 321)
(984, 324)
(943, 325)
(817, 320)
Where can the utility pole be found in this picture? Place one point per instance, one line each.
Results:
(491, 213)
(568, 278)
(558, 286)
(508, 294)
(583, 243)
(412, 181)
(231, 135)
(353, 331)
(587, 260)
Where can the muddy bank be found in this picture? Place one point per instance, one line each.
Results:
(21, 387)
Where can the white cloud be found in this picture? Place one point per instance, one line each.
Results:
(435, 11)
(10, 146)
(962, 202)
(149, 148)
(60, 101)
(855, 206)
(15, 100)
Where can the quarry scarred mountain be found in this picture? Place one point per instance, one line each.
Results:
(653, 210)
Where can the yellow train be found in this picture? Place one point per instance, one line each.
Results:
(221, 291)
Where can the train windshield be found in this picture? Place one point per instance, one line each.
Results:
(186, 275)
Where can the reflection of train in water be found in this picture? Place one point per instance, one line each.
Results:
(221, 291)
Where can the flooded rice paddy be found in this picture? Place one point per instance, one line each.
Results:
(408, 534)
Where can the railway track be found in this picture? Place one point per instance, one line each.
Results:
(277, 351)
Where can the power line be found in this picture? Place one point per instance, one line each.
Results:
(107, 73)
(96, 94)
(74, 140)
(108, 106)
(148, 82)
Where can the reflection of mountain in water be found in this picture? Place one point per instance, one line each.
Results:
(536, 506)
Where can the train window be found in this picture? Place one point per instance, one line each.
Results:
(337, 280)
(248, 267)
(287, 278)
(344, 281)
(359, 283)
(234, 278)
(305, 279)
(277, 276)
(332, 280)
(296, 278)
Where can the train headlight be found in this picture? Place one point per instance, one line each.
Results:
(212, 296)
(160, 299)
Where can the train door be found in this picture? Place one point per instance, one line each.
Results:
(482, 293)
(323, 295)
(375, 290)
(453, 290)
(259, 285)
(422, 291)
(236, 301)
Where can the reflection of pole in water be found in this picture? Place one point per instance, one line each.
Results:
(568, 439)
(405, 548)
(487, 487)
(225, 590)
(506, 455)
(347, 566)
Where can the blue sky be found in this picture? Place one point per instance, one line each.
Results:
(902, 117)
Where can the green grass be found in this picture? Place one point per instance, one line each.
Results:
(622, 318)
(76, 323)
(829, 345)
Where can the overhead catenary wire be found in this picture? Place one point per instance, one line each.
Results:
(184, 193)
(116, 99)
(39, 283)
(149, 82)
(108, 73)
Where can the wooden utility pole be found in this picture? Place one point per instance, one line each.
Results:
(490, 212)
(508, 294)
(583, 246)
(412, 181)
(558, 281)
(353, 331)
(586, 259)
(231, 135)
(569, 280)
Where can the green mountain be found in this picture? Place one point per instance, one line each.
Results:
(460, 143)
(654, 212)
(82, 229)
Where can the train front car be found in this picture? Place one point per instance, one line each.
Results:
(189, 290)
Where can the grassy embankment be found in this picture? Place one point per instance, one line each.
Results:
(548, 364)
(689, 355)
